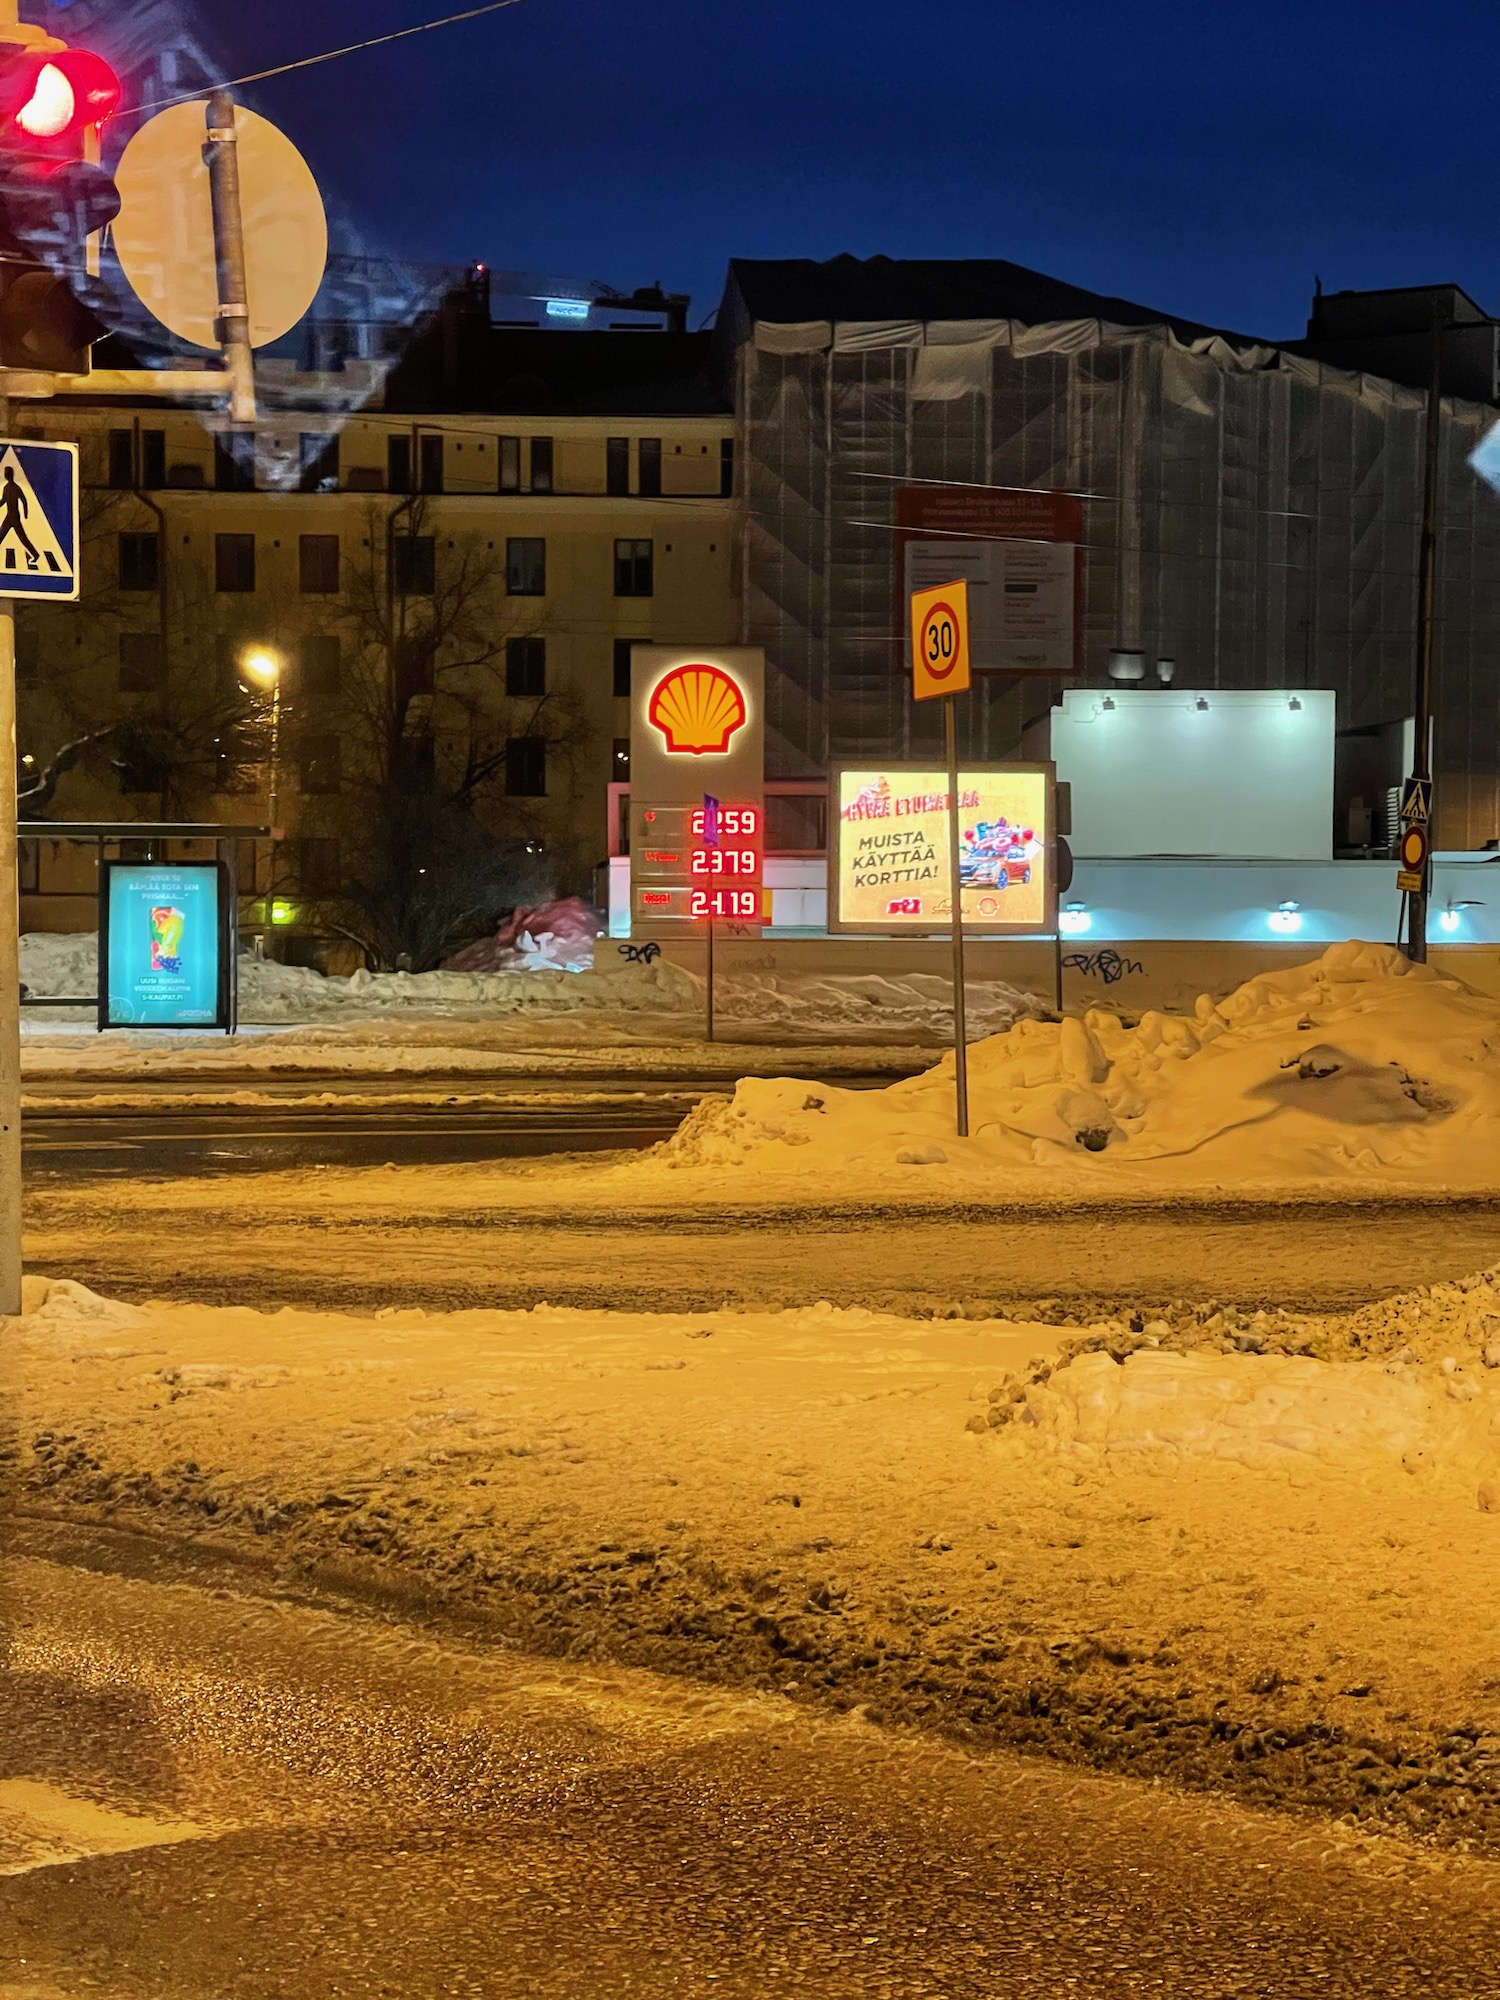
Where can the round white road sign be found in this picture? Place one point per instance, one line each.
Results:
(164, 234)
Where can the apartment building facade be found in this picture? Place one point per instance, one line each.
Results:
(454, 569)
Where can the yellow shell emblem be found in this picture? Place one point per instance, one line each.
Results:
(697, 709)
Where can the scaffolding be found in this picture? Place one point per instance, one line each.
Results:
(1251, 514)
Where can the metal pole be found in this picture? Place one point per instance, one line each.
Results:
(960, 1021)
(1057, 968)
(1427, 623)
(10, 963)
(270, 946)
(222, 157)
(710, 979)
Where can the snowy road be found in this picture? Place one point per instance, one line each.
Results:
(497, 1247)
(208, 1790)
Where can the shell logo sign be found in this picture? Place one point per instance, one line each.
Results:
(698, 709)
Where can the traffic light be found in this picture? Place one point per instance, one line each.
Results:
(54, 195)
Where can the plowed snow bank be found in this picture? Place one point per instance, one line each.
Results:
(1360, 1065)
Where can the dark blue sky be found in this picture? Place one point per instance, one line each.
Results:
(1205, 159)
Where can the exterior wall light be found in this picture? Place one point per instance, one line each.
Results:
(1286, 918)
(1073, 920)
(1295, 706)
(1109, 703)
(1452, 917)
(1201, 705)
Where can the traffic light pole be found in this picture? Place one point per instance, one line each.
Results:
(222, 156)
(10, 960)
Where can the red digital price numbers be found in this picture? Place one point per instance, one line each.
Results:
(737, 854)
(735, 822)
(726, 861)
(714, 903)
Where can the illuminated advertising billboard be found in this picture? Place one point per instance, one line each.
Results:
(697, 788)
(165, 939)
(888, 859)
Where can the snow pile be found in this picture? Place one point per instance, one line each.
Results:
(554, 973)
(1265, 1410)
(1358, 1066)
(63, 964)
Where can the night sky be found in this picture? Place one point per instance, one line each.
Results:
(1203, 159)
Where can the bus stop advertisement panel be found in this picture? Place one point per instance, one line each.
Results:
(166, 936)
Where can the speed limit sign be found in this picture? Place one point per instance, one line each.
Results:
(940, 640)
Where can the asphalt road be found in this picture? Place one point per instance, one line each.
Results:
(290, 1124)
(231, 1140)
(209, 1787)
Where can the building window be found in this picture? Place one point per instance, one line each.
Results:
(315, 866)
(633, 569)
(140, 562)
(526, 566)
(526, 767)
(726, 468)
(619, 763)
(122, 460)
(153, 459)
(622, 665)
(526, 667)
(318, 565)
(510, 465)
(234, 462)
(318, 456)
(320, 659)
(617, 465)
(432, 462)
(415, 661)
(541, 465)
(398, 464)
(318, 763)
(140, 663)
(414, 565)
(649, 453)
(234, 562)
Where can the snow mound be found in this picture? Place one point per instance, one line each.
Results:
(1268, 1410)
(1359, 1066)
(554, 973)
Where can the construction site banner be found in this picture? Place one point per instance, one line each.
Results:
(1020, 554)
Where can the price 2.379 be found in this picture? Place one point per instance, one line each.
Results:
(725, 861)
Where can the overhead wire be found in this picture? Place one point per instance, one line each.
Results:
(329, 55)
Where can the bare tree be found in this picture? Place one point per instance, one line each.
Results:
(436, 840)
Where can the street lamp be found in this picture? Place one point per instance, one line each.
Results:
(263, 666)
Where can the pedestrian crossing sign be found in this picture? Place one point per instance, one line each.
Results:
(38, 519)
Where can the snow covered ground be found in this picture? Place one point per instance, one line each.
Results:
(1259, 1553)
(622, 990)
(1359, 1067)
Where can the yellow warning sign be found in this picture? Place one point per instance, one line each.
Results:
(940, 640)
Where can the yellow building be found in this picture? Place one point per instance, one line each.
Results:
(449, 594)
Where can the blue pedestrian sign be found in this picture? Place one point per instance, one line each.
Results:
(1416, 802)
(38, 520)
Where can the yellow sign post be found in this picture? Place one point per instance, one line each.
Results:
(940, 666)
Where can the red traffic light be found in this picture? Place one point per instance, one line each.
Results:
(48, 102)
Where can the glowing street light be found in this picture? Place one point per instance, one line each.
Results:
(263, 665)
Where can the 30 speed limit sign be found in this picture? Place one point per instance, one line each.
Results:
(940, 640)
